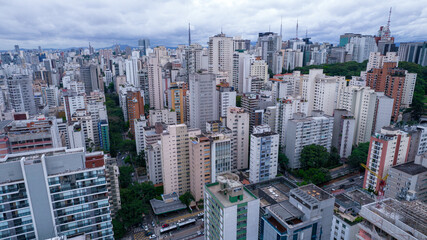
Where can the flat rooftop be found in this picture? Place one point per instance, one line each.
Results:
(215, 190)
(311, 191)
(411, 168)
(161, 207)
(272, 191)
(360, 197)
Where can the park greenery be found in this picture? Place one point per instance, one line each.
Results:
(186, 198)
(135, 201)
(349, 69)
(359, 155)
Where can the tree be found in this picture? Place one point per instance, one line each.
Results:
(125, 178)
(186, 198)
(314, 156)
(359, 155)
(239, 101)
(139, 160)
(334, 157)
(283, 161)
(314, 175)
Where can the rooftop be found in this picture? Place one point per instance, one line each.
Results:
(215, 190)
(286, 211)
(312, 193)
(360, 197)
(411, 168)
(170, 203)
(272, 191)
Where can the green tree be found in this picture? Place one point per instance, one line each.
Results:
(334, 157)
(186, 198)
(283, 161)
(139, 160)
(125, 178)
(314, 156)
(359, 155)
(239, 101)
(314, 175)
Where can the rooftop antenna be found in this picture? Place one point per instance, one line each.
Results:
(221, 30)
(306, 33)
(297, 31)
(387, 30)
(189, 35)
(269, 26)
(280, 26)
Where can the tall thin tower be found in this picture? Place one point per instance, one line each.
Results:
(189, 35)
(387, 29)
(297, 31)
(280, 26)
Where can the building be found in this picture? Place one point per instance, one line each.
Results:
(343, 132)
(227, 98)
(21, 96)
(302, 131)
(176, 158)
(135, 107)
(72, 102)
(259, 69)
(360, 47)
(406, 181)
(269, 43)
(415, 52)
(132, 72)
(104, 135)
(39, 186)
(155, 84)
(231, 211)
(89, 76)
(393, 220)
(162, 116)
(306, 215)
(200, 165)
(220, 55)
(285, 110)
(238, 123)
(264, 153)
(177, 98)
(203, 100)
(139, 125)
(387, 148)
(153, 154)
(32, 135)
(144, 46)
(112, 176)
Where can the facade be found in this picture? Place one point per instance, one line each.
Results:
(264, 154)
(89, 76)
(227, 98)
(21, 94)
(203, 100)
(306, 215)
(220, 54)
(233, 215)
(153, 154)
(112, 176)
(286, 109)
(54, 193)
(269, 43)
(162, 116)
(176, 158)
(73, 102)
(200, 165)
(302, 131)
(139, 134)
(259, 69)
(415, 52)
(178, 95)
(155, 84)
(238, 123)
(343, 132)
(135, 107)
(387, 148)
(407, 182)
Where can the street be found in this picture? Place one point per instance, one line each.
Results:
(353, 181)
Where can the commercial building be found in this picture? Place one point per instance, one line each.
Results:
(53, 192)
(21, 96)
(231, 211)
(302, 131)
(89, 76)
(264, 154)
(238, 123)
(387, 148)
(306, 215)
(269, 43)
(415, 52)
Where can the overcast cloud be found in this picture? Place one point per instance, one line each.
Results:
(74, 23)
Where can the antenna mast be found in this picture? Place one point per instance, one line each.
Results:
(189, 35)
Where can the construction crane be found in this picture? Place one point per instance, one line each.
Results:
(382, 183)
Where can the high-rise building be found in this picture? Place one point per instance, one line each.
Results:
(285, 111)
(162, 116)
(89, 76)
(264, 154)
(200, 165)
(153, 154)
(415, 52)
(241, 44)
(269, 43)
(194, 55)
(144, 45)
(360, 47)
(176, 158)
(231, 211)
(302, 131)
(72, 102)
(238, 123)
(220, 54)
(104, 135)
(21, 94)
(387, 148)
(54, 193)
(203, 100)
(227, 98)
(306, 215)
(112, 176)
(177, 101)
(135, 107)
(343, 132)
(259, 69)
(325, 93)
(155, 83)
(132, 72)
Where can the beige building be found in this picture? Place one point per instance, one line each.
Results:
(176, 158)
(238, 123)
(200, 165)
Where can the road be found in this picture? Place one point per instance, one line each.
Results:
(356, 181)
(184, 233)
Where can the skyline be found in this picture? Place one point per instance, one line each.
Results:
(106, 23)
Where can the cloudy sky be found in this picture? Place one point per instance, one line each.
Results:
(74, 23)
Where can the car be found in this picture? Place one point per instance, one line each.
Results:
(203, 219)
(153, 236)
(199, 233)
(152, 223)
(351, 180)
(146, 228)
(148, 234)
(165, 225)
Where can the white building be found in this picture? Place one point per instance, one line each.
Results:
(264, 154)
(360, 47)
(302, 131)
(238, 123)
(155, 84)
(221, 49)
(163, 116)
(286, 109)
(227, 98)
(325, 93)
(408, 89)
(132, 72)
(231, 211)
(154, 162)
(139, 125)
(259, 69)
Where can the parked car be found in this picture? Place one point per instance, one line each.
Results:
(165, 225)
(146, 228)
(153, 236)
